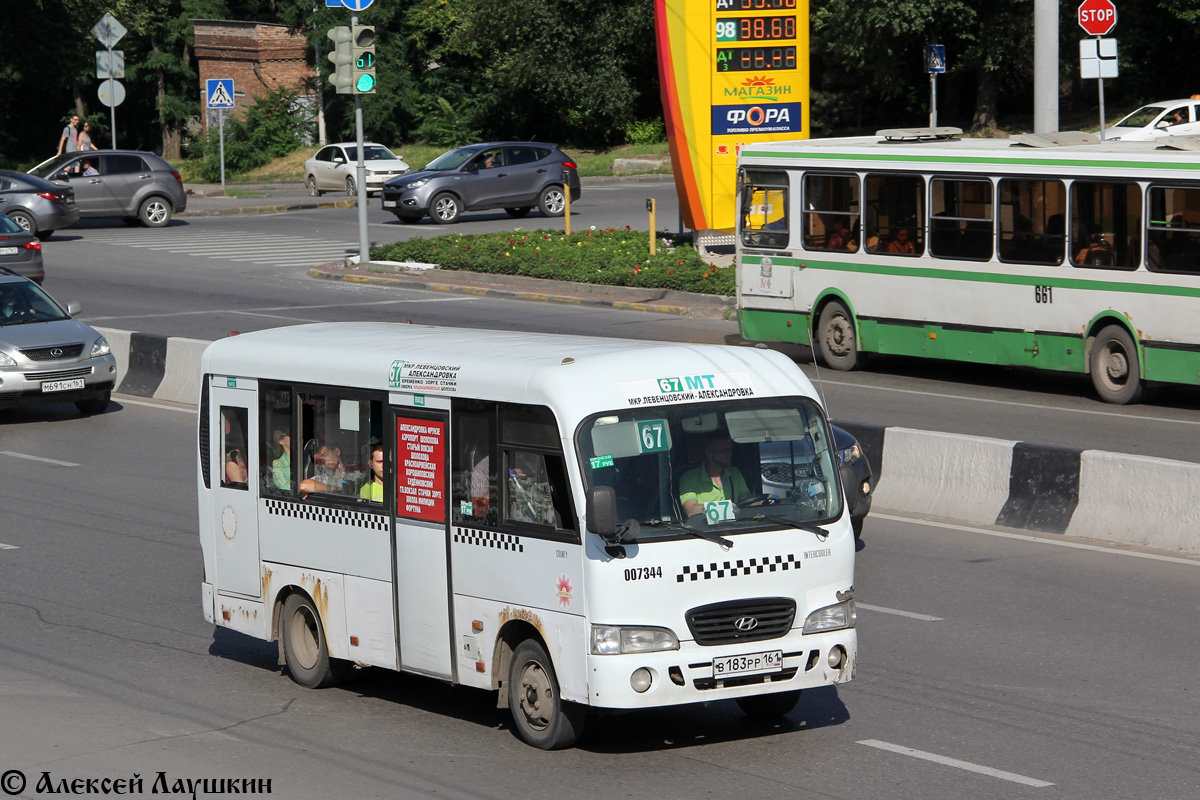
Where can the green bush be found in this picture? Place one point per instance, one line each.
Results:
(649, 131)
(610, 257)
(273, 127)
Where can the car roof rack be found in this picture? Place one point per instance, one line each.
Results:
(918, 134)
(1179, 142)
(1054, 139)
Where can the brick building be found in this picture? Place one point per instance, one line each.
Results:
(258, 56)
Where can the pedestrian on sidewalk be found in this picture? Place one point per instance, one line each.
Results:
(70, 136)
(85, 138)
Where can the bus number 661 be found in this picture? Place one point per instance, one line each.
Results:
(1043, 294)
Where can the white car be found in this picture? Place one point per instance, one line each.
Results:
(334, 167)
(1168, 118)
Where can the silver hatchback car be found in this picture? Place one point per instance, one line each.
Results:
(45, 355)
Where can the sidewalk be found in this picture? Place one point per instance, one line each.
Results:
(519, 287)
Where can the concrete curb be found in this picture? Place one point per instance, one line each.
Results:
(269, 209)
(714, 311)
(1124, 499)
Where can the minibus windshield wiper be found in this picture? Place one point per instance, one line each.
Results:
(804, 526)
(708, 535)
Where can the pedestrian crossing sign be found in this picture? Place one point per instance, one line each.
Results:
(220, 93)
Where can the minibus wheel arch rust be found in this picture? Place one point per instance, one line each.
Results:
(291, 606)
(834, 334)
(1115, 358)
(512, 633)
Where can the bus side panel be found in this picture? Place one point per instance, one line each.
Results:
(244, 616)
(565, 636)
(537, 580)
(758, 325)
(1170, 364)
(339, 540)
(370, 622)
(325, 589)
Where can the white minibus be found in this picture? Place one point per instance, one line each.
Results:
(575, 523)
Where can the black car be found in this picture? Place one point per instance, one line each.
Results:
(38, 206)
(21, 251)
(784, 469)
(515, 176)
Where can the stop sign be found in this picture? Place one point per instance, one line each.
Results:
(1097, 17)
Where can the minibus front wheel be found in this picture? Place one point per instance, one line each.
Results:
(542, 718)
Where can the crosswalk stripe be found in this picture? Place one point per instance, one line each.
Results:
(242, 247)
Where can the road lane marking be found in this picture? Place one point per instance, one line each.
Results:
(126, 401)
(8, 546)
(1112, 550)
(954, 762)
(898, 612)
(54, 461)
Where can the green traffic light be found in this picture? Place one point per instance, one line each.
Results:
(365, 83)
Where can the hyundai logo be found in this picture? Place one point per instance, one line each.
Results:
(746, 624)
(56, 352)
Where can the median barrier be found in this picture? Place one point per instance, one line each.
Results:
(1115, 497)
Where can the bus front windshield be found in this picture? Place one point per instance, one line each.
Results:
(719, 468)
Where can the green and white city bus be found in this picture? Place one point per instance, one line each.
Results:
(1054, 251)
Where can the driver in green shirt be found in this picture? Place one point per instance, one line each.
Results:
(715, 479)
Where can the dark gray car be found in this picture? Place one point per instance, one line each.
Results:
(515, 176)
(119, 184)
(21, 251)
(38, 206)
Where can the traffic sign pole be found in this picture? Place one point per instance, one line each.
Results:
(360, 184)
(1097, 18)
(112, 110)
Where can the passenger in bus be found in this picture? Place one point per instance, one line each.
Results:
(329, 475)
(235, 467)
(901, 244)
(841, 238)
(1098, 253)
(281, 467)
(715, 479)
(373, 489)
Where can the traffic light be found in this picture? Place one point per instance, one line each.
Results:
(363, 52)
(342, 74)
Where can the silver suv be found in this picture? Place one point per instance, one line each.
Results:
(45, 355)
(119, 184)
(515, 176)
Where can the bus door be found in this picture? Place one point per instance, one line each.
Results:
(234, 464)
(421, 547)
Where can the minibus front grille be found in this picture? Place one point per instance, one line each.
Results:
(745, 680)
(736, 621)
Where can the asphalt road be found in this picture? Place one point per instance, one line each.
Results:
(993, 665)
(204, 277)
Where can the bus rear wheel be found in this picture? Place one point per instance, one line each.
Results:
(542, 718)
(769, 706)
(1113, 364)
(836, 342)
(304, 647)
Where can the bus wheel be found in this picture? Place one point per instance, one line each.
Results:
(542, 717)
(835, 338)
(1114, 366)
(769, 706)
(304, 646)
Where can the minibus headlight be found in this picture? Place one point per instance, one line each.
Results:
(610, 640)
(832, 618)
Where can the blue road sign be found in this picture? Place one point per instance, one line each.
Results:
(935, 58)
(353, 5)
(219, 92)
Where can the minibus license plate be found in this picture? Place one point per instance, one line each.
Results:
(750, 664)
(62, 386)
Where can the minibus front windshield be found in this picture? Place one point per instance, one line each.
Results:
(715, 468)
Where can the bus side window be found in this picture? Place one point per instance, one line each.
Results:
(474, 483)
(896, 222)
(275, 450)
(233, 448)
(1173, 230)
(1106, 225)
(1031, 221)
(764, 209)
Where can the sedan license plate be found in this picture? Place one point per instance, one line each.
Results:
(8, 251)
(389, 203)
(62, 386)
(749, 664)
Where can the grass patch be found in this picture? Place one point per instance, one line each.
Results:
(609, 257)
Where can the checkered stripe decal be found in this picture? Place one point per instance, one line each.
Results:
(743, 566)
(500, 541)
(330, 516)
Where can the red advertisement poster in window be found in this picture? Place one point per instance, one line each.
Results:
(420, 469)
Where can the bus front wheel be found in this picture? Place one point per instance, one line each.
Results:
(1114, 366)
(836, 342)
(304, 645)
(542, 717)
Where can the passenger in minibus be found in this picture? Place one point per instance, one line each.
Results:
(373, 489)
(329, 475)
(281, 467)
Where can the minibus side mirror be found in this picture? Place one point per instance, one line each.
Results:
(602, 516)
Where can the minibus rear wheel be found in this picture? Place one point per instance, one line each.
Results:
(542, 717)
(304, 645)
